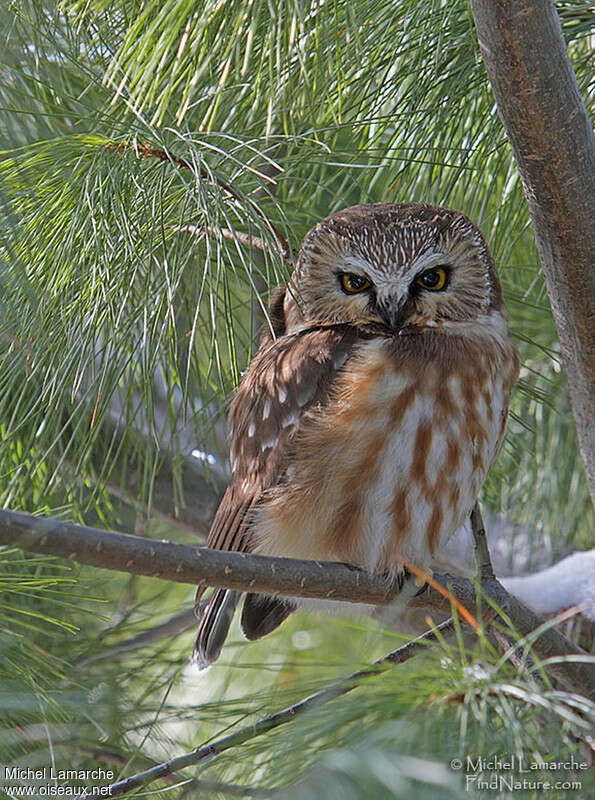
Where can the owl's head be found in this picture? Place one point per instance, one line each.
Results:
(395, 265)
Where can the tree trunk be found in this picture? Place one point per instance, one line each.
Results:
(552, 141)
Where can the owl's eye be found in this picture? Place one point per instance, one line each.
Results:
(352, 283)
(432, 279)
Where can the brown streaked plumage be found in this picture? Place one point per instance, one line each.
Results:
(364, 430)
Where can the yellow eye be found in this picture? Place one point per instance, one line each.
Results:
(352, 283)
(432, 279)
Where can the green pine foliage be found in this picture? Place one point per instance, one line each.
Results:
(122, 335)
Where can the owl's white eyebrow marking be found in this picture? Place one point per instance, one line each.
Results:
(354, 262)
(428, 258)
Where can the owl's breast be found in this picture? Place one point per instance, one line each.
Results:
(392, 467)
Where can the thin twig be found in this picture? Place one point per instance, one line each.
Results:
(245, 239)
(208, 752)
(482, 551)
(115, 759)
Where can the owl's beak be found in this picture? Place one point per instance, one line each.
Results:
(393, 313)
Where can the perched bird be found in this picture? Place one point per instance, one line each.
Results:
(365, 426)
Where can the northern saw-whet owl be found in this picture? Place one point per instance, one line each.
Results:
(364, 428)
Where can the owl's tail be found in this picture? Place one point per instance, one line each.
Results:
(213, 627)
(260, 616)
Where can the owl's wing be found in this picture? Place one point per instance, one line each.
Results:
(288, 378)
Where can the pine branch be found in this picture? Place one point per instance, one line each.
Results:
(176, 624)
(290, 578)
(204, 485)
(143, 150)
(577, 674)
(207, 753)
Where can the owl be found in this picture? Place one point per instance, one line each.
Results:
(365, 426)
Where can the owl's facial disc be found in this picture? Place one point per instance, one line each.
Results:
(399, 266)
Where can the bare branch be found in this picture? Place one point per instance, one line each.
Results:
(551, 136)
(210, 751)
(194, 565)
